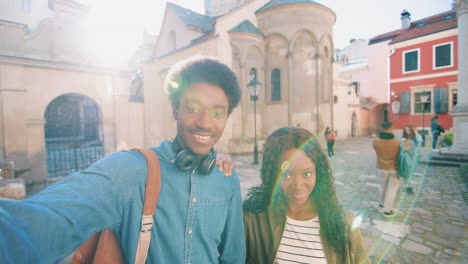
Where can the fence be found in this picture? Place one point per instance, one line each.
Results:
(66, 156)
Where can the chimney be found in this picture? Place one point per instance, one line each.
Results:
(405, 19)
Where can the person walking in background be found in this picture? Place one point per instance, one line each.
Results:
(294, 216)
(410, 142)
(436, 130)
(330, 138)
(387, 149)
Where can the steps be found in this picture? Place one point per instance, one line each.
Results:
(442, 158)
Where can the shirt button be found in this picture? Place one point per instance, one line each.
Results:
(194, 200)
(190, 231)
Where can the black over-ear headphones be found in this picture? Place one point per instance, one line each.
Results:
(186, 160)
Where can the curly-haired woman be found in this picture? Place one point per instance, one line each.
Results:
(410, 141)
(294, 216)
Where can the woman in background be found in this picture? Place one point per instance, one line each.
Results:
(294, 214)
(410, 142)
(330, 139)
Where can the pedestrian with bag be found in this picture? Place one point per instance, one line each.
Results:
(199, 212)
(410, 147)
(294, 216)
(387, 150)
(436, 130)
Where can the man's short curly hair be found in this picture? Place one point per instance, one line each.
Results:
(202, 70)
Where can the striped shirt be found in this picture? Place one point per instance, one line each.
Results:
(301, 243)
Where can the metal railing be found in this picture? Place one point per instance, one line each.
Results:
(66, 156)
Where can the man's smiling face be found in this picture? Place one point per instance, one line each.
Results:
(201, 117)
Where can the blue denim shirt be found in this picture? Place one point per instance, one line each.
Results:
(198, 217)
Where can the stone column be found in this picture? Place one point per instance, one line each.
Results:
(460, 111)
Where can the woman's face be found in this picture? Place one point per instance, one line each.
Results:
(408, 130)
(298, 176)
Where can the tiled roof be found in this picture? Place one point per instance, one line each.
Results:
(192, 18)
(247, 27)
(429, 25)
(275, 3)
(384, 37)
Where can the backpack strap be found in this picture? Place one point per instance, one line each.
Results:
(152, 191)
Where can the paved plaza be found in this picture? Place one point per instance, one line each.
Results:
(430, 225)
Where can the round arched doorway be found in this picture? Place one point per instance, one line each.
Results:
(73, 134)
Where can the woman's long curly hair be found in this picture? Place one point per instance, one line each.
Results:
(412, 134)
(269, 193)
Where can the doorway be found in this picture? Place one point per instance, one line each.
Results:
(73, 134)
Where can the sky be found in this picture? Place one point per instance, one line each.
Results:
(122, 22)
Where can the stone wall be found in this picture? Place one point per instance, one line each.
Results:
(7, 169)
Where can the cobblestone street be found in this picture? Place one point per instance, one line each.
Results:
(430, 225)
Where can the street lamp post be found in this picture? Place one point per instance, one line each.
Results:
(424, 100)
(254, 88)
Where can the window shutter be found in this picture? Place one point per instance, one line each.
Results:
(441, 100)
(405, 106)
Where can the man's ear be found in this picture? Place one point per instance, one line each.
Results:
(175, 111)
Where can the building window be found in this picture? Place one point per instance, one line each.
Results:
(26, 5)
(447, 17)
(418, 104)
(275, 85)
(51, 4)
(422, 24)
(344, 59)
(411, 61)
(136, 87)
(443, 55)
(454, 97)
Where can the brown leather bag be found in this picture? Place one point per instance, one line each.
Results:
(103, 247)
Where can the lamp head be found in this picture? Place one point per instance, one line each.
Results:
(424, 97)
(254, 85)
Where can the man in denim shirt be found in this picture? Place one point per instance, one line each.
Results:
(199, 213)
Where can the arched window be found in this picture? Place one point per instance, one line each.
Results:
(275, 85)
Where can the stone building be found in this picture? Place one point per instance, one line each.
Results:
(287, 45)
(59, 111)
(361, 67)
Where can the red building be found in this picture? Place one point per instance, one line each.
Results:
(423, 63)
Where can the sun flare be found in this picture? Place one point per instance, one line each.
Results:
(114, 29)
